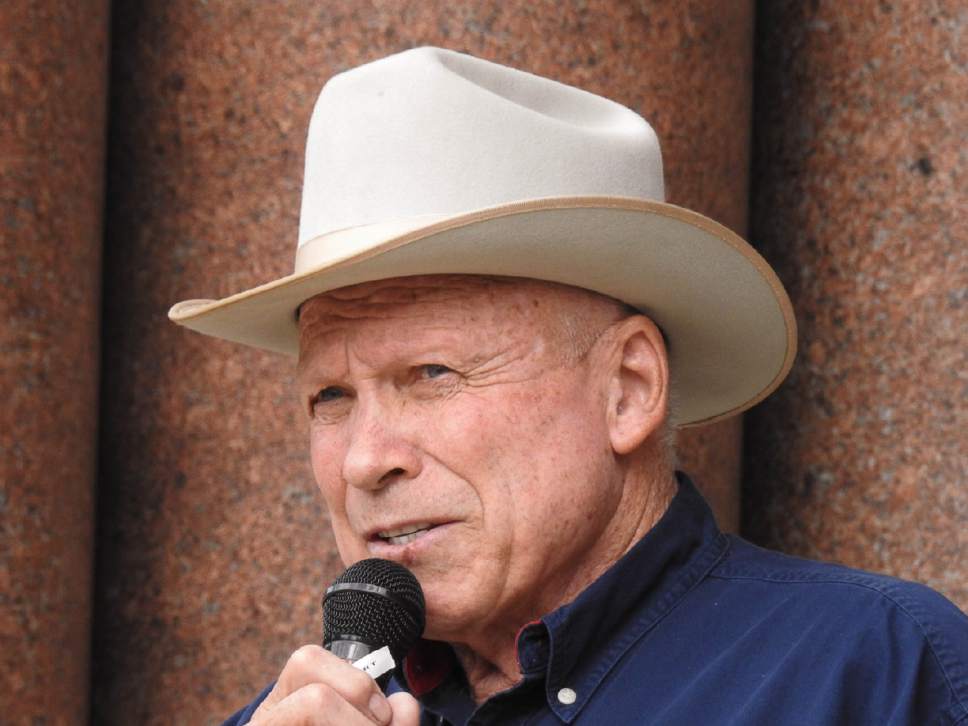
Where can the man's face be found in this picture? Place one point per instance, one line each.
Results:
(454, 430)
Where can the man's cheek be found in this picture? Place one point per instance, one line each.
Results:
(351, 549)
(325, 464)
(333, 498)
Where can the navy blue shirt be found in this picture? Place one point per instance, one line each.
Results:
(693, 626)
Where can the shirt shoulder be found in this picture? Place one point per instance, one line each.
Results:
(882, 624)
(829, 584)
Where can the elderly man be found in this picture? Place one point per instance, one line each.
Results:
(498, 324)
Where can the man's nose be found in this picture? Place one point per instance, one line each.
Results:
(378, 452)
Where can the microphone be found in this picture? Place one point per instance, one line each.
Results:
(374, 604)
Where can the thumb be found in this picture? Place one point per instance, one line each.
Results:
(406, 710)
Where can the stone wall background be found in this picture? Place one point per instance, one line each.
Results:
(212, 547)
(859, 198)
(53, 90)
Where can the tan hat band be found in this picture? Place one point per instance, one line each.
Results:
(332, 247)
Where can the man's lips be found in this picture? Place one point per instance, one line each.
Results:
(404, 540)
(400, 534)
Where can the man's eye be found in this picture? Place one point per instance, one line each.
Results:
(330, 393)
(434, 370)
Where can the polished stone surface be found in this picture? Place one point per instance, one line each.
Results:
(214, 547)
(860, 169)
(53, 75)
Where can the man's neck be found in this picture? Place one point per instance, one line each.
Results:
(490, 659)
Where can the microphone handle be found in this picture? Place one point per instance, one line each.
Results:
(351, 650)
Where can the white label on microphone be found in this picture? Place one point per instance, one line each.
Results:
(376, 663)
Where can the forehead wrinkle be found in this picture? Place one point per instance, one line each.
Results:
(568, 319)
(362, 300)
(330, 312)
(445, 306)
(383, 312)
(409, 288)
(380, 327)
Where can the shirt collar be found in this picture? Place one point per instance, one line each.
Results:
(589, 635)
(577, 645)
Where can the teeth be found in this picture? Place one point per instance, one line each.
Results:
(405, 538)
(403, 534)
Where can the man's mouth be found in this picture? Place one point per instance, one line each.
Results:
(405, 534)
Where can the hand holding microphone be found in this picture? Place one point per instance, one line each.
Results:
(372, 605)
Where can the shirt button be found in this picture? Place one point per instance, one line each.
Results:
(567, 696)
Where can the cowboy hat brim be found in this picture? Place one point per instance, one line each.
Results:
(728, 322)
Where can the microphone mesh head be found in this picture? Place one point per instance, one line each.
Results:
(396, 621)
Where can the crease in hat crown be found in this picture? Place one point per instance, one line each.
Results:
(434, 162)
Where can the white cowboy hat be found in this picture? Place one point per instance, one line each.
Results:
(431, 161)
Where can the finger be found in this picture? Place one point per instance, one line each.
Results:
(406, 710)
(312, 664)
(314, 705)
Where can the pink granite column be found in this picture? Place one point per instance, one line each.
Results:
(214, 547)
(53, 83)
(860, 172)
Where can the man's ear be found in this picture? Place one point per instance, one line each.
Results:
(638, 387)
